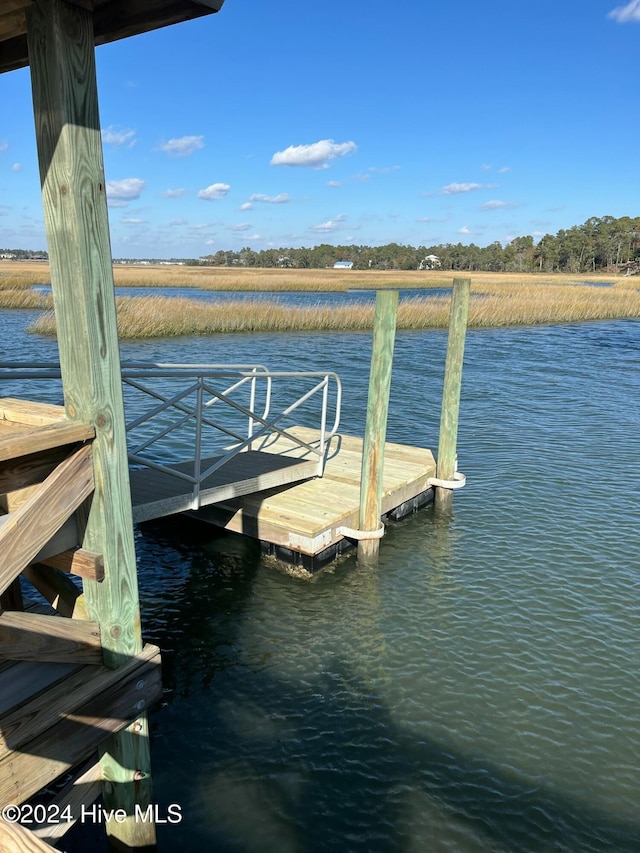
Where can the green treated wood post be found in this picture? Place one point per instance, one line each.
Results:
(458, 315)
(65, 100)
(384, 333)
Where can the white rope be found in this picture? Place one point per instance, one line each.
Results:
(458, 481)
(350, 533)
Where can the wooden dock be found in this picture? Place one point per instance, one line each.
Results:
(58, 701)
(302, 523)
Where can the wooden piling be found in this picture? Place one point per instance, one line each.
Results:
(61, 53)
(446, 458)
(384, 333)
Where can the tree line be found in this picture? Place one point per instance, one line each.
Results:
(600, 244)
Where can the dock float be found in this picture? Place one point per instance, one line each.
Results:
(302, 524)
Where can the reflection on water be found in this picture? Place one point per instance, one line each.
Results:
(478, 690)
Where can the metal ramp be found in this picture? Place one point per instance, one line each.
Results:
(195, 432)
(220, 413)
(157, 493)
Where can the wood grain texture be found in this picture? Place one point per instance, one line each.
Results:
(17, 473)
(57, 587)
(73, 187)
(30, 636)
(17, 839)
(448, 436)
(84, 564)
(65, 99)
(306, 516)
(384, 333)
(26, 531)
(24, 440)
(30, 715)
(81, 791)
(76, 735)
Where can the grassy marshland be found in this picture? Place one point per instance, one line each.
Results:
(498, 299)
(491, 305)
(26, 274)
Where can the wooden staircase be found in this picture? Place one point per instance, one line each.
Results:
(58, 702)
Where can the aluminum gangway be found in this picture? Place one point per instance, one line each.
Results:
(199, 434)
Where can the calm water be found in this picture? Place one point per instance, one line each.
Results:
(476, 692)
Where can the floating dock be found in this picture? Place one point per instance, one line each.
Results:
(303, 523)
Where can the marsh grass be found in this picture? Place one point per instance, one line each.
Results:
(491, 305)
(24, 298)
(26, 274)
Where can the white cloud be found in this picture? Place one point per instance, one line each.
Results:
(175, 222)
(496, 204)
(246, 206)
(626, 14)
(504, 169)
(131, 220)
(241, 226)
(334, 183)
(281, 198)
(454, 189)
(485, 167)
(214, 192)
(173, 193)
(182, 146)
(326, 227)
(17, 167)
(316, 155)
(113, 135)
(465, 230)
(124, 191)
(4, 146)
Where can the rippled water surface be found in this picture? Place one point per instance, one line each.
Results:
(478, 691)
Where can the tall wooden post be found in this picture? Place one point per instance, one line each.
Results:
(446, 464)
(384, 333)
(65, 100)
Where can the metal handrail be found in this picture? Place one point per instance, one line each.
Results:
(213, 385)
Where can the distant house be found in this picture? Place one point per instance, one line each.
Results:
(343, 265)
(431, 262)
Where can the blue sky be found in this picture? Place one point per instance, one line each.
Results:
(281, 123)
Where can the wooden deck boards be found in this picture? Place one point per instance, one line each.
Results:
(305, 517)
(53, 717)
(27, 428)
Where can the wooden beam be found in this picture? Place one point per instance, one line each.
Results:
(58, 588)
(30, 412)
(23, 471)
(65, 99)
(11, 598)
(30, 636)
(458, 315)
(384, 334)
(27, 530)
(35, 439)
(31, 717)
(76, 735)
(78, 793)
(17, 839)
(79, 562)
